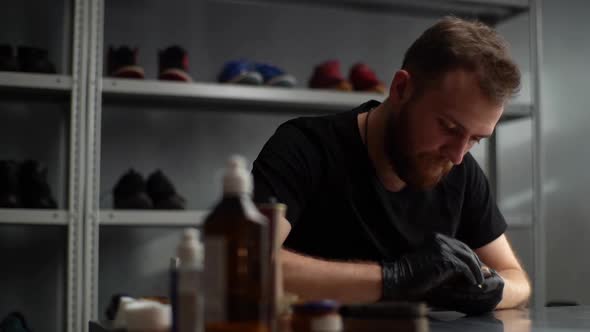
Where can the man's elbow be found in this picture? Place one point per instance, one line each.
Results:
(527, 292)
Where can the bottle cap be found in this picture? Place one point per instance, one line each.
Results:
(316, 307)
(237, 180)
(190, 248)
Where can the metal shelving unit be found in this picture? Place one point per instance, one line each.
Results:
(34, 217)
(153, 93)
(152, 218)
(129, 91)
(125, 92)
(35, 84)
(69, 90)
(16, 86)
(490, 11)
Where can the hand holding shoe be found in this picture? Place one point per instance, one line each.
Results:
(467, 298)
(414, 275)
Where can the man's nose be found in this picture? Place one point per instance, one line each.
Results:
(455, 149)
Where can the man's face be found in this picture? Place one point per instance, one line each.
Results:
(431, 133)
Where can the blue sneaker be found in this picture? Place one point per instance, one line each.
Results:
(240, 72)
(275, 76)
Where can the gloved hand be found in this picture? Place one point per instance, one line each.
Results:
(466, 298)
(412, 276)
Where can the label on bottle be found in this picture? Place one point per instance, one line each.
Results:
(215, 278)
(190, 301)
(188, 281)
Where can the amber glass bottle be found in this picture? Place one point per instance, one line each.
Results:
(236, 257)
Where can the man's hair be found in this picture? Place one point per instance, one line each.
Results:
(454, 43)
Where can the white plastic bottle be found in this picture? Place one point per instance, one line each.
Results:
(189, 307)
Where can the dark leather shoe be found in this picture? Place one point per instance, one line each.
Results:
(34, 60)
(35, 192)
(130, 192)
(9, 188)
(163, 193)
(7, 58)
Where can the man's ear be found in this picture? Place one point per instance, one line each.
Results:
(402, 87)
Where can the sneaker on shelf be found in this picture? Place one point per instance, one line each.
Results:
(9, 187)
(327, 75)
(35, 192)
(240, 72)
(130, 192)
(162, 192)
(173, 64)
(363, 78)
(7, 59)
(122, 63)
(14, 322)
(34, 60)
(275, 76)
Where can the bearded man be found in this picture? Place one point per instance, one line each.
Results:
(385, 202)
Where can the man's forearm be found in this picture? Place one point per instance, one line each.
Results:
(346, 282)
(517, 289)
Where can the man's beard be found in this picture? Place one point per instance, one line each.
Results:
(419, 171)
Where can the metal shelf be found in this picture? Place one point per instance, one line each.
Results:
(154, 218)
(517, 111)
(489, 11)
(151, 93)
(33, 217)
(175, 93)
(38, 86)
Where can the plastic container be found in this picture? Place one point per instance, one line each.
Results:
(148, 316)
(316, 316)
(186, 288)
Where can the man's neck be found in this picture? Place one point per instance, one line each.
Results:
(378, 118)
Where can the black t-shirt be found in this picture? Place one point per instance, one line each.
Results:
(338, 209)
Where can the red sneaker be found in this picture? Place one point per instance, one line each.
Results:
(122, 62)
(363, 78)
(173, 64)
(327, 76)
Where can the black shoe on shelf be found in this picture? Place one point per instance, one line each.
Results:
(14, 322)
(35, 192)
(163, 193)
(130, 192)
(9, 192)
(173, 64)
(34, 60)
(122, 63)
(7, 58)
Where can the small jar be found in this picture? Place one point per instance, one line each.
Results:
(148, 316)
(316, 316)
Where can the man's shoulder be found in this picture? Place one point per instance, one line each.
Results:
(306, 123)
(315, 129)
(341, 121)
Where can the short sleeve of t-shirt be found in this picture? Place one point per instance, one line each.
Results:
(287, 168)
(481, 220)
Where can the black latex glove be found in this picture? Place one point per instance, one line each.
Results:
(467, 298)
(412, 276)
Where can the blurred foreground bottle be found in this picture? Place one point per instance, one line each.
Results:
(236, 258)
(187, 290)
